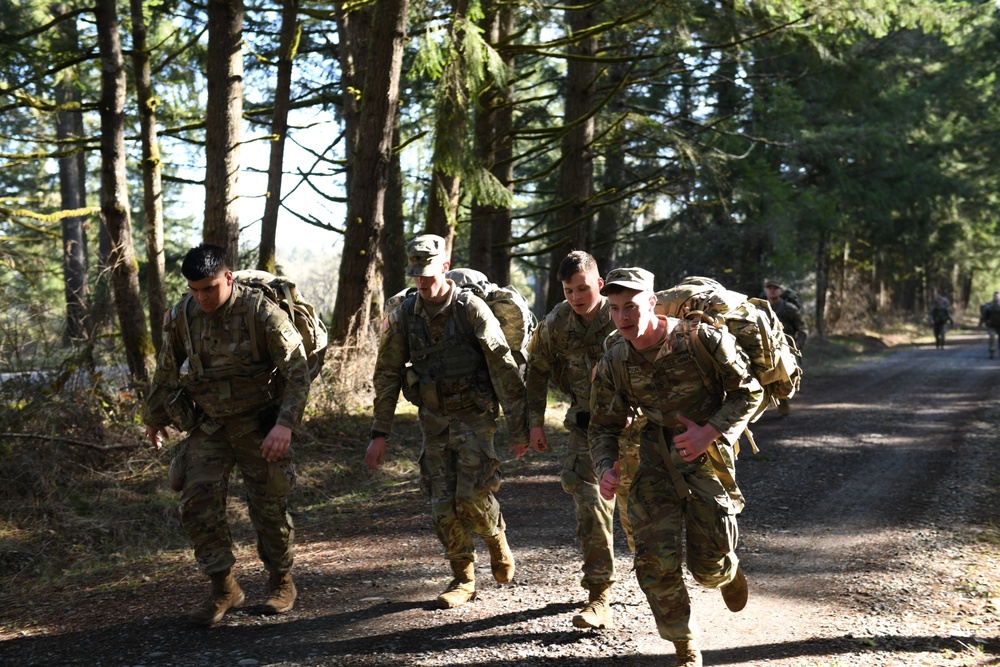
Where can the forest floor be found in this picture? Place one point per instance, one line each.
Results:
(870, 538)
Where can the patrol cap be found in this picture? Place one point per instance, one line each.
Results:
(773, 283)
(426, 255)
(629, 277)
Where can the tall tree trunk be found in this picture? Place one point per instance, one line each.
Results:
(223, 125)
(358, 282)
(287, 47)
(124, 269)
(72, 193)
(445, 189)
(354, 28)
(152, 191)
(490, 236)
(393, 242)
(822, 282)
(576, 171)
(611, 218)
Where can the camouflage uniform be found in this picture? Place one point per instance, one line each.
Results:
(456, 378)
(667, 492)
(989, 315)
(237, 400)
(792, 321)
(940, 316)
(566, 350)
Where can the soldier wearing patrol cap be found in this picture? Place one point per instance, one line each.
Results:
(445, 349)
(232, 372)
(686, 476)
(791, 320)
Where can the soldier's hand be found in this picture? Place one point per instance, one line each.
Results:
(693, 442)
(610, 481)
(156, 436)
(536, 437)
(518, 450)
(375, 454)
(276, 442)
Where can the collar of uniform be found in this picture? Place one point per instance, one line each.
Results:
(418, 308)
(224, 309)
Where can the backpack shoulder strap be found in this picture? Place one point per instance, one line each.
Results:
(185, 331)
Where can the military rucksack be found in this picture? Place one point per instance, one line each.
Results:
(283, 292)
(792, 297)
(507, 304)
(772, 353)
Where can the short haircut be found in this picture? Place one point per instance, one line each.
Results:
(204, 261)
(578, 261)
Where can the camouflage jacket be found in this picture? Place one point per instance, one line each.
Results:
(566, 350)
(792, 321)
(222, 378)
(674, 384)
(396, 361)
(989, 315)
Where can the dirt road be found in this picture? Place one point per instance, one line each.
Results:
(870, 538)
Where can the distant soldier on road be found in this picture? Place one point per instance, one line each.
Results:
(445, 349)
(989, 315)
(232, 372)
(940, 317)
(686, 479)
(791, 320)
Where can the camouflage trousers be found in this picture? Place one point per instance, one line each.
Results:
(595, 528)
(209, 459)
(660, 514)
(993, 334)
(460, 472)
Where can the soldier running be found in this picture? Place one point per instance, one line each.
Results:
(686, 459)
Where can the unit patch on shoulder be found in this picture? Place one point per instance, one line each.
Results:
(167, 317)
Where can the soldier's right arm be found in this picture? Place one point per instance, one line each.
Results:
(393, 353)
(166, 377)
(539, 372)
(609, 414)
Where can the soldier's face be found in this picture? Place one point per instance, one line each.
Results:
(632, 312)
(773, 293)
(212, 292)
(433, 288)
(583, 292)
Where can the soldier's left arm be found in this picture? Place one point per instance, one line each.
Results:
(743, 393)
(503, 369)
(284, 344)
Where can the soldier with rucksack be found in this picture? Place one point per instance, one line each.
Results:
(686, 477)
(446, 350)
(790, 314)
(989, 316)
(233, 373)
(940, 317)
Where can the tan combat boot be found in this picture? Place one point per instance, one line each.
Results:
(462, 588)
(501, 559)
(688, 654)
(282, 593)
(226, 595)
(735, 593)
(597, 613)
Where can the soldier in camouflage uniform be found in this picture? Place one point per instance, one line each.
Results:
(686, 477)
(989, 315)
(445, 349)
(940, 317)
(232, 372)
(565, 348)
(791, 320)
